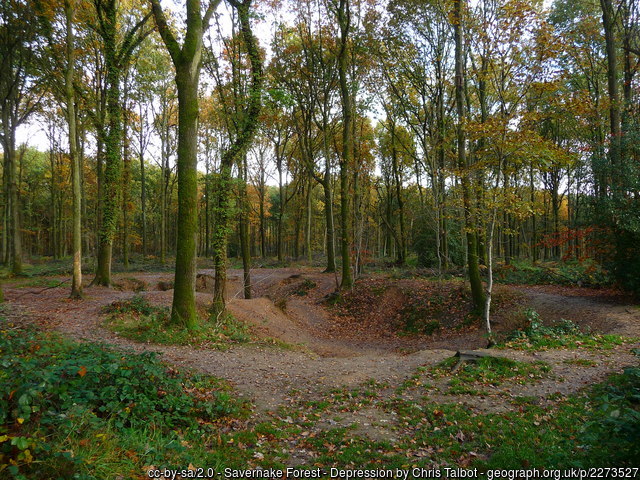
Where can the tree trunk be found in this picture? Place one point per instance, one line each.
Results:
(279, 246)
(309, 218)
(54, 199)
(344, 22)
(219, 240)
(608, 14)
(5, 214)
(113, 144)
(534, 225)
(207, 219)
(245, 244)
(183, 309)
(126, 183)
(165, 174)
(472, 251)
(328, 197)
(402, 244)
(143, 194)
(14, 209)
(328, 213)
(76, 281)
(263, 220)
(235, 151)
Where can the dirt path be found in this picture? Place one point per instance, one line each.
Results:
(269, 375)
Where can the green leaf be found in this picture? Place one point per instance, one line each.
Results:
(21, 442)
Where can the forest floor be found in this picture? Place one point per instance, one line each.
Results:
(368, 378)
(323, 347)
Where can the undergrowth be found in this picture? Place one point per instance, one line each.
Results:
(571, 273)
(90, 412)
(85, 411)
(537, 336)
(136, 319)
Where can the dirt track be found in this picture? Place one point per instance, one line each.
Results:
(319, 362)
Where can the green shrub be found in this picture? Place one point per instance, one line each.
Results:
(617, 427)
(565, 334)
(571, 273)
(52, 389)
(137, 305)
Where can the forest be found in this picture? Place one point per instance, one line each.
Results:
(241, 234)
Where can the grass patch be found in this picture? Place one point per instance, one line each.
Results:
(566, 334)
(596, 428)
(85, 411)
(489, 371)
(138, 320)
(42, 267)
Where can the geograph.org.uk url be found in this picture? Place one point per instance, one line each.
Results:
(557, 474)
(399, 474)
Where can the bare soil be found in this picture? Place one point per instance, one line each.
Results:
(327, 348)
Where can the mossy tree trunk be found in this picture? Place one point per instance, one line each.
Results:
(126, 179)
(112, 143)
(15, 245)
(184, 304)
(187, 62)
(222, 212)
(343, 14)
(116, 57)
(236, 150)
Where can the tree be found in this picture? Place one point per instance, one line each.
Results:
(19, 98)
(279, 129)
(76, 282)
(624, 174)
(311, 85)
(415, 65)
(117, 48)
(395, 149)
(475, 280)
(343, 15)
(236, 151)
(187, 62)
